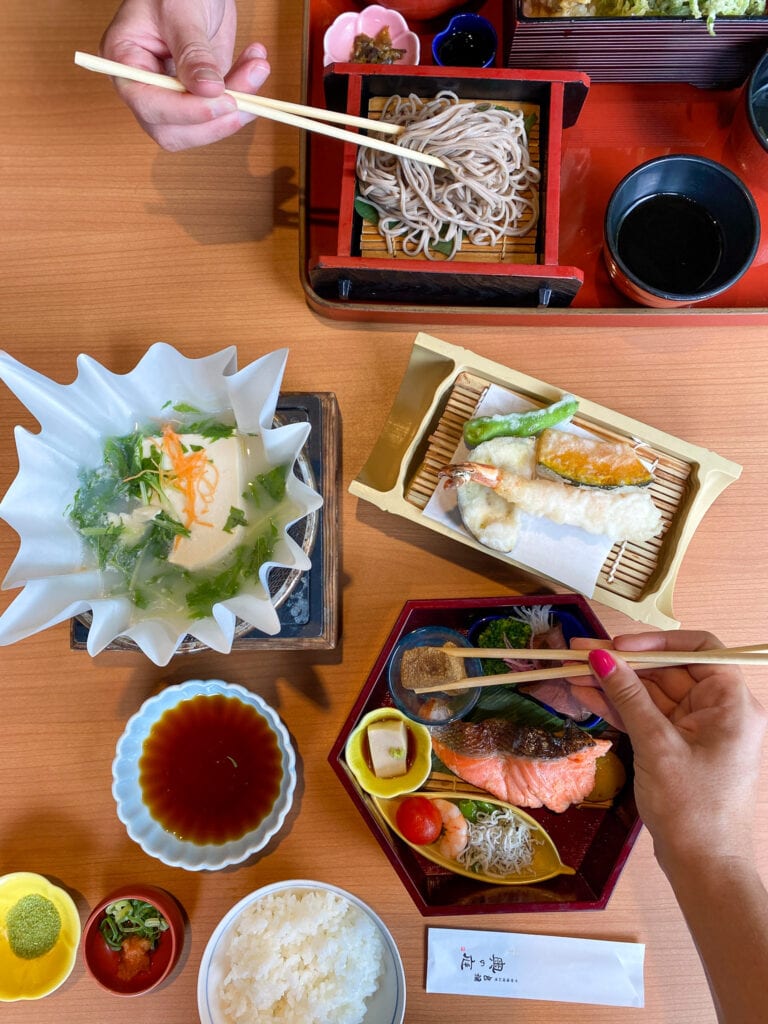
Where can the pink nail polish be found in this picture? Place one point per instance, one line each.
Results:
(601, 663)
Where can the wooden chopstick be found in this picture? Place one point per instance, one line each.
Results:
(536, 675)
(109, 67)
(336, 116)
(755, 655)
(275, 110)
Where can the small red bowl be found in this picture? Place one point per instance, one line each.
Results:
(102, 962)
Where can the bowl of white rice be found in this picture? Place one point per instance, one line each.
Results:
(301, 952)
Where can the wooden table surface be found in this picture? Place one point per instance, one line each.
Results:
(108, 244)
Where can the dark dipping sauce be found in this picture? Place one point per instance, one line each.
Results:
(210, 770)
(465, 49)
(672, 243)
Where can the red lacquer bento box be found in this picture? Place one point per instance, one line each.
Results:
(593, 840)
(623, 122)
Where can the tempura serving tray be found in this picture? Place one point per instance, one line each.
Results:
(441, 388)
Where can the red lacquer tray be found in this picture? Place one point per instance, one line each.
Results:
(619, 126)
(594, 841)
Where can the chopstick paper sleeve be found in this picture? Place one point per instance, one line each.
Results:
(517, 966)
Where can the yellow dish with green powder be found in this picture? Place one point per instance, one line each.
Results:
(39, 936)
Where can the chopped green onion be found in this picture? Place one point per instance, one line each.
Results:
(131, 917)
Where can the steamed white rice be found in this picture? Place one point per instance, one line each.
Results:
(302, 956)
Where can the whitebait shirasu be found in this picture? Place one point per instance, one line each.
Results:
(498, 843)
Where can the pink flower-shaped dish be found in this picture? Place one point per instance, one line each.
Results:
(339, 39)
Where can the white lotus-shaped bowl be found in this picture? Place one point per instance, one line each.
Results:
(59, 577)
(129, 798)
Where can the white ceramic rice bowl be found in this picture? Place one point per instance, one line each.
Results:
(133, 812)
(386, 1006)
(58, 576)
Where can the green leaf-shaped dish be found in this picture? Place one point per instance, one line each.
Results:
(546, 861)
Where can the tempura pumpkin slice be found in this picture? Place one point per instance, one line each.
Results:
(588, 462)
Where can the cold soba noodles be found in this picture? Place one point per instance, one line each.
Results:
(486, 194)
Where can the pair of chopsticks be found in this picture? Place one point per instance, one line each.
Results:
(754, 655)
(296, 114)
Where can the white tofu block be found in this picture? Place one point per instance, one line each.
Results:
(388, 744)
(207, 542)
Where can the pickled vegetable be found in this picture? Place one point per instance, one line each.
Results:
(610, 777)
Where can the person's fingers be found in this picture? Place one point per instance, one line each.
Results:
(250, 71)
(593, 698)
(644, 722)
(667, 640)
(200, 41)
(160, 108)
(195, 63)
(174, 138)
(585, 643)
(126, 51)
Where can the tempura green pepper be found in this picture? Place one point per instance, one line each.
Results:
(519, 424)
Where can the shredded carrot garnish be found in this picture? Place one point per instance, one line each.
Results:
(192, 473)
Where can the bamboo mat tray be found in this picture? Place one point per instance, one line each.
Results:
(441, 389)
(512, 248)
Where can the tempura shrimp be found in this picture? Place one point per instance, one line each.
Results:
(628, 514)
(491, 519)
(455, 835)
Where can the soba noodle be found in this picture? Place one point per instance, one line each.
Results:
(486, 194)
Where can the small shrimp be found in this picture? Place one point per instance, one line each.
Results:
(455, 835)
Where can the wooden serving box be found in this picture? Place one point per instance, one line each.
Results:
(529, 272)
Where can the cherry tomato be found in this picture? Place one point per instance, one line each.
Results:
(419, 820)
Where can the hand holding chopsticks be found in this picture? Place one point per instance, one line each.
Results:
(754, 655)
(296, 114)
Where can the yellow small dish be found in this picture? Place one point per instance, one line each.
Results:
(419, 756)
(33, 979)
(546, 861)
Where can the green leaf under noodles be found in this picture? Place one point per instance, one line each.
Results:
(370, 214)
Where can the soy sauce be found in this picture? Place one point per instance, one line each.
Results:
(465, 50)
(672, 243)
(210, 769)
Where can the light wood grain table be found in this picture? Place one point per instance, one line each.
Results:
(108, 244)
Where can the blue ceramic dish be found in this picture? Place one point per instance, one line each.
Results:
(469, 41)
(571, 627)
(432, 708)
